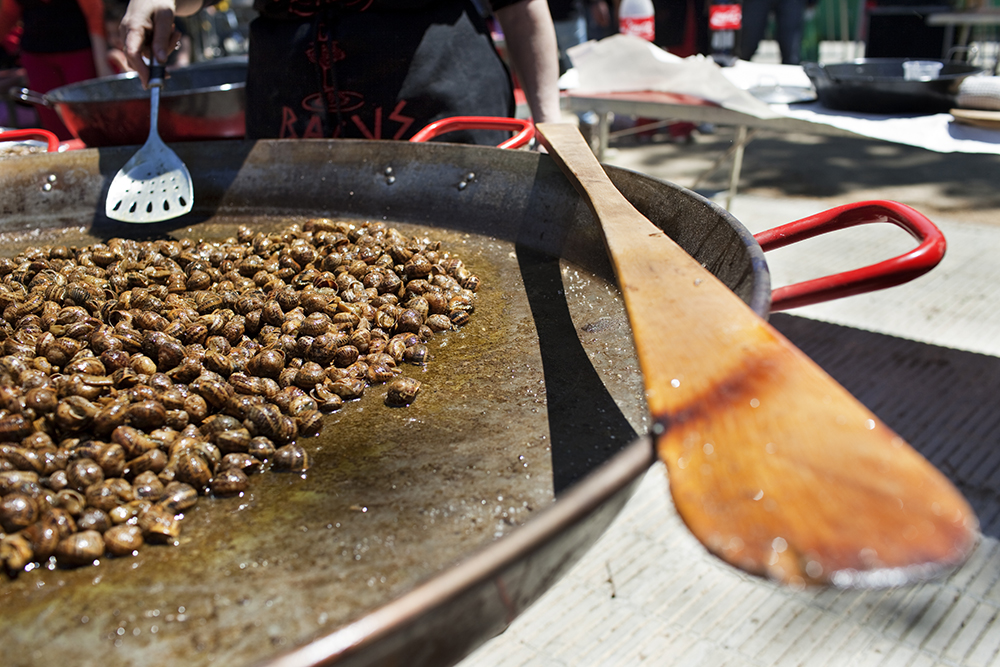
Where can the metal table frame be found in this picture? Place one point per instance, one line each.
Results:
(662, 106)
(965, 21)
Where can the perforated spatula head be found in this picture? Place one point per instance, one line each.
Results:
(154, 185)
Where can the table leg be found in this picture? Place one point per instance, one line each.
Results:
(734, 175)
(603, 128)
(949, 41)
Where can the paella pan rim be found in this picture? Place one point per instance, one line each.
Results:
(94, 91)
(616, 476)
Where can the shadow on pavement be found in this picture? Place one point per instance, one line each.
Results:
(816, 166)
(936, 398)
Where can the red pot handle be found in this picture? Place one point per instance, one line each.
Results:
(523, 128)
(32, 133)
(888, 273)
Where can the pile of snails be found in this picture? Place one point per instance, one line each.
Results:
(137, 376)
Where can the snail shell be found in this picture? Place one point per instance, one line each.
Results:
(291, 457)
(437, 303)
(178, 497)
(82, 473)
(417, 354)
(129, 512)
(196, 407)
(402, 391)
(439, 322)
(146, 415)
(109, 493)
(192, 468)
(300, 403)
(217, 425)
(123, 539)
(315, 324)
(309, 375)
(74, 413)
(267, 420)
(94, 519)
(236, 440)
(240, 461)
(109, 418)
(16, 427)
(41, 400)
(261, 447)
(17, 511)
(159, 524)
(72, 501)
(15, 552)
(44, 535)
(155, 460)
(348, 388)
(133, 441)
(80, 548)
(142, 365)
(310, 423)
(380, 372)
(215, 392)
(396, 348)
(148, 486)
(13, 479)
(229, 482)
(267, 363)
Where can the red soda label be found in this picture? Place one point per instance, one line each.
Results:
(725, 17)
(640, 27)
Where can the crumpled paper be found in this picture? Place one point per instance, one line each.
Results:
(623, 63)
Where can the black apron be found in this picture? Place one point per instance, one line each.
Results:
(379, 69)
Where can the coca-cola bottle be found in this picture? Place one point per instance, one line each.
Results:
(635, 17)
(725, 19)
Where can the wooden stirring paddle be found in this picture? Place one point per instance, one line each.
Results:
(773, 465)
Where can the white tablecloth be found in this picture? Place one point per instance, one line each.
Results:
(935, 132)
(622, 64)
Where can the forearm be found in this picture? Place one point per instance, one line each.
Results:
(189, 7)
(531, 45)
(99, 46)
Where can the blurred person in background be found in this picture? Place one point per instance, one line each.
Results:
(62, 42)
(575, 22)
(114, 10)
(376, 69)
(789, 17)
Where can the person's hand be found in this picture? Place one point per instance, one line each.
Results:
(147, 29)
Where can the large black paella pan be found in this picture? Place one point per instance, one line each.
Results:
(418, 533)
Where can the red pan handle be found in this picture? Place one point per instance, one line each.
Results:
(888, 273)
(523, 128)
(32, 133)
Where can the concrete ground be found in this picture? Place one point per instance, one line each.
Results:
(831, 170)
(925, 357)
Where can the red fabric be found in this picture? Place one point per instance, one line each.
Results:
(93, 11)
(10, 14)
(46, 71)
(11, 42)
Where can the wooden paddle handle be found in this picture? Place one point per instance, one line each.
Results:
(774, 466)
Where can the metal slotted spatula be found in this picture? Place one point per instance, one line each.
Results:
(154, 185)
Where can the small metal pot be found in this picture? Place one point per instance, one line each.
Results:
(878, 85)
(204, 101)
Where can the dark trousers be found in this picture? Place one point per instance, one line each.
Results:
(789, 18)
